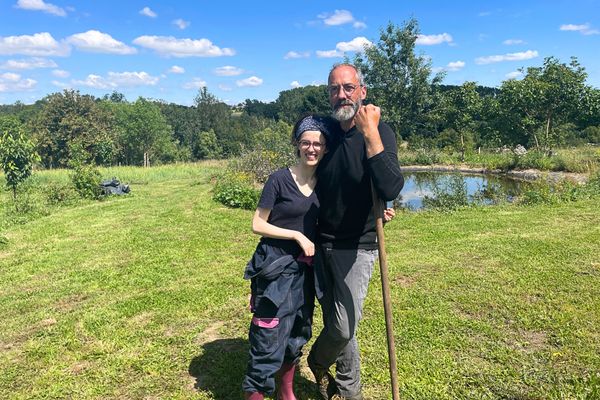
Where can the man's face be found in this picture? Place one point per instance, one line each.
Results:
(345, 93)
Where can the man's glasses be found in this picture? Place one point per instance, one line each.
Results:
(305, 144)
(347, 88)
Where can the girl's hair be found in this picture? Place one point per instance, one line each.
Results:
(312, 122)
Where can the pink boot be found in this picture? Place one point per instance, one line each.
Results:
(253, 396)
(286, 384)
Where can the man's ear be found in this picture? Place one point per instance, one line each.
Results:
(363, 92)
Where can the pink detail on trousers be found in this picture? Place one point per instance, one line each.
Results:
(265, 322)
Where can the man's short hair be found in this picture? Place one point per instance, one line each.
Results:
(359, 75)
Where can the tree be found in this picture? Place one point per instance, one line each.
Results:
(68, 117)
(462, 112)
(17, 153)
(546, 97)
(143, 132)
(293, 103)
(398, 80)
(207, 145)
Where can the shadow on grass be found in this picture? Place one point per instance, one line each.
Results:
(221, 367)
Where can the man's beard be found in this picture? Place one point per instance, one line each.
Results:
(346, 113)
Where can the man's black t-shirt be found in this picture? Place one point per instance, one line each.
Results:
(290, 209)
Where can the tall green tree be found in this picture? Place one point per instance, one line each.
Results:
(399, 80)
(143, 132)
(292, 104)
(462, 115)
(546, 97)
(17, 153)
(70, 117)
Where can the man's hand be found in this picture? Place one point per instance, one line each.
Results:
(367, 119)
(367, 122)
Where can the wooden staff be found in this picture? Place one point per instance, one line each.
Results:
(385, 286)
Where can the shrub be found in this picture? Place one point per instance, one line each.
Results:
(236, 189)
(86, 179)
(57, 193)
(260, 163)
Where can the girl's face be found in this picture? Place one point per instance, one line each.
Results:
(311, 147)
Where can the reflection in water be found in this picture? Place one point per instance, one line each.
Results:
(480, 189)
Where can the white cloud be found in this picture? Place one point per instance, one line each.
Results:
(228, 70)
(146, 11)
(176, 69)
(524, 55)
(181, 24)
(514, 75)
(357, 44)
(510, 42)
(118, 79)
(39, 5)
(429, 40)
(38, 44)
(59, 73)
(30, 63)
(339, 17)
(329, 53)
(195, 83)
(294, 54)
(295, 84)
(455, 65)
(98, 42)
(11, 82)
(60, 84)
(253, 81)
(584, 29)
(225, 88)
(171, 46)
(485, 14)
(10, 76)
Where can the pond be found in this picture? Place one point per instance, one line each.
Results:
(426, 189)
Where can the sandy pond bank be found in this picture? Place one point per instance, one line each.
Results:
(526, 174)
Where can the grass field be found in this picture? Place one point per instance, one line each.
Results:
(142, 297)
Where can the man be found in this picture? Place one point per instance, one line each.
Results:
(363, 149)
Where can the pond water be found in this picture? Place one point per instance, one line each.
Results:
(420, 188)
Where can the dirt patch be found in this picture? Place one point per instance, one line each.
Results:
(210, 334)
(529, 341)
(404, 281)
(70, 303)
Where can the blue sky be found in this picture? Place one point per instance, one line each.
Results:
(242, 49)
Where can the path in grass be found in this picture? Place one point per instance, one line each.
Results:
(142, 297)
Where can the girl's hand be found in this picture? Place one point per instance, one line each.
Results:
(307, 246)
(388, 214)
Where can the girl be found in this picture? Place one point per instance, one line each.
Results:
(282, 282)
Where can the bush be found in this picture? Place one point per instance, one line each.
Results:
(57, 193)
(260, 163)
(86, 179)
(236, 189)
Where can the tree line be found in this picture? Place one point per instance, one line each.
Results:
(550, 106)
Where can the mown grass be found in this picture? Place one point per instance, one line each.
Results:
(142, 297)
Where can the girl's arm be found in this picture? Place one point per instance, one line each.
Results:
(260, 226)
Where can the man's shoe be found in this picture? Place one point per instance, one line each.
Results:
(340, 397)
(325, 381)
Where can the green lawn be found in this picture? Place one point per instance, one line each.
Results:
(142, 297)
